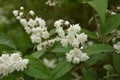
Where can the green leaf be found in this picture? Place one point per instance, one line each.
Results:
(116, 62)
(4, 40)
(37, 54)
(96, 57)
(90, 74)
(58, 48)
(90, 34)
(100, 6)
(36, 69)
(98, 48)
(61, 69)
(52, 32)
(12, 76)
(111, 23)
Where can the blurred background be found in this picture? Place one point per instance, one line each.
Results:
(72, 10)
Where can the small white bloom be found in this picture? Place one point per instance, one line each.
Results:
(117, 46)
(60, 32)
(5, 58)
(82, 37)
(15, 12)
(35, 38)
(76, 56)
(18, 17)
(10, 63)
(24, 22)
(21, 8)
(76, 60)
(40, 22)
(21, 64)
(70, 38)
(31, 12)
(69, 57)
(45, 35)
(15, 57)
(84, 57)
(58, 23)
(31, 23)
(51, 2)
(39, 47)
(67, 23)
(64, 42)
(21, 14)
(73, 29)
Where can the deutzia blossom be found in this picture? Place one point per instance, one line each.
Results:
(58, 23)
(11, 63)
(60, 32)
(49, 63)
(31, 12)
(21, 8)
(76, 55)
(72, 37)
(82, 37)
(74, 29)
(51, 2)
(15, 12)
(36, 28)
(117, 47)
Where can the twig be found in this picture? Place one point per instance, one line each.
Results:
(98, 29)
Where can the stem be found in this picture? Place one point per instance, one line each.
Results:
(110, 38)
(98, 29)
(108, 74)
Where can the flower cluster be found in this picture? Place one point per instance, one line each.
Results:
(49, 63)
(51, 2)
(72, 37)
(117, 47)
(10, 63)
(67, 34)
(36, 28)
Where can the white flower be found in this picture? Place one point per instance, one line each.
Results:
(35, 38)
(10, 63)
(45, 35)
(64, 42)
(31, 12)
(82, 37)
(31, 23)
(67, 23)
(21, 8)
(75, 43)
(21, 64)
(15, 57)
(117, 46)
(60, 32)
(5, 58)
(76, 60)
(69, 57)
(15, 12)
(84, 57)
(73, 29)
(51, 2)
(58, 23)
(39, 47)
(24, 22)
(18, 17)
(49, 63)
(40, 22)
(21, 14)
(28, 29)
(76, 56)
(70, 38)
